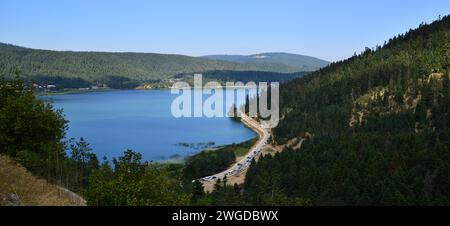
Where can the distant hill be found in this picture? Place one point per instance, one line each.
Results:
(94, 66)
(279, 62)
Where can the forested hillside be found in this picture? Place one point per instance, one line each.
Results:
(96, 66)
(377, 129)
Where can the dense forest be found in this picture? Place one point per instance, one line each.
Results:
(94, 66)
(376, 129)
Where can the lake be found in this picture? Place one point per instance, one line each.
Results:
(141, 120)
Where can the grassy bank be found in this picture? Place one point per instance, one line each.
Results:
(20, 187)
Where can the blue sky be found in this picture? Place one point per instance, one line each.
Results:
(331, 30)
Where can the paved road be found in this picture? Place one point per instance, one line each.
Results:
(244, 163)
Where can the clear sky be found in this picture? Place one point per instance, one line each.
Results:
(331, 30)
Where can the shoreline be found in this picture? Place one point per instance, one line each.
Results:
(82, 91)
(73, 91)
(181, 159)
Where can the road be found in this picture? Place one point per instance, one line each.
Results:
(245, 162)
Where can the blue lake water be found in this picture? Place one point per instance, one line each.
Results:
(114, 121)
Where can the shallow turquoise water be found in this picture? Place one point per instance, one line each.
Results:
(115, 121)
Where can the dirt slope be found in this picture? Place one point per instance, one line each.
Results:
(18, 187)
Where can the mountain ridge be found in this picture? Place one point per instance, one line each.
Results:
(94, 66)
(293, 62)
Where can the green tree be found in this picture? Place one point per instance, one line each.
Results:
(84, 159)
(197, 191)
(133, 182)
(30, 130)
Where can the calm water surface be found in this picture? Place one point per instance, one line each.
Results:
(115, 121)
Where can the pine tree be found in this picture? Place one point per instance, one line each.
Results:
(247, 105)
(197, 191)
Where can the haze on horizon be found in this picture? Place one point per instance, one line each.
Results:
(326, 29)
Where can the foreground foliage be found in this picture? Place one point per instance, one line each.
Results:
(133, 183)
(33, 134)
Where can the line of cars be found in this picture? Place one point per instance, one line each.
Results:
(236, 169)
(244, 163)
